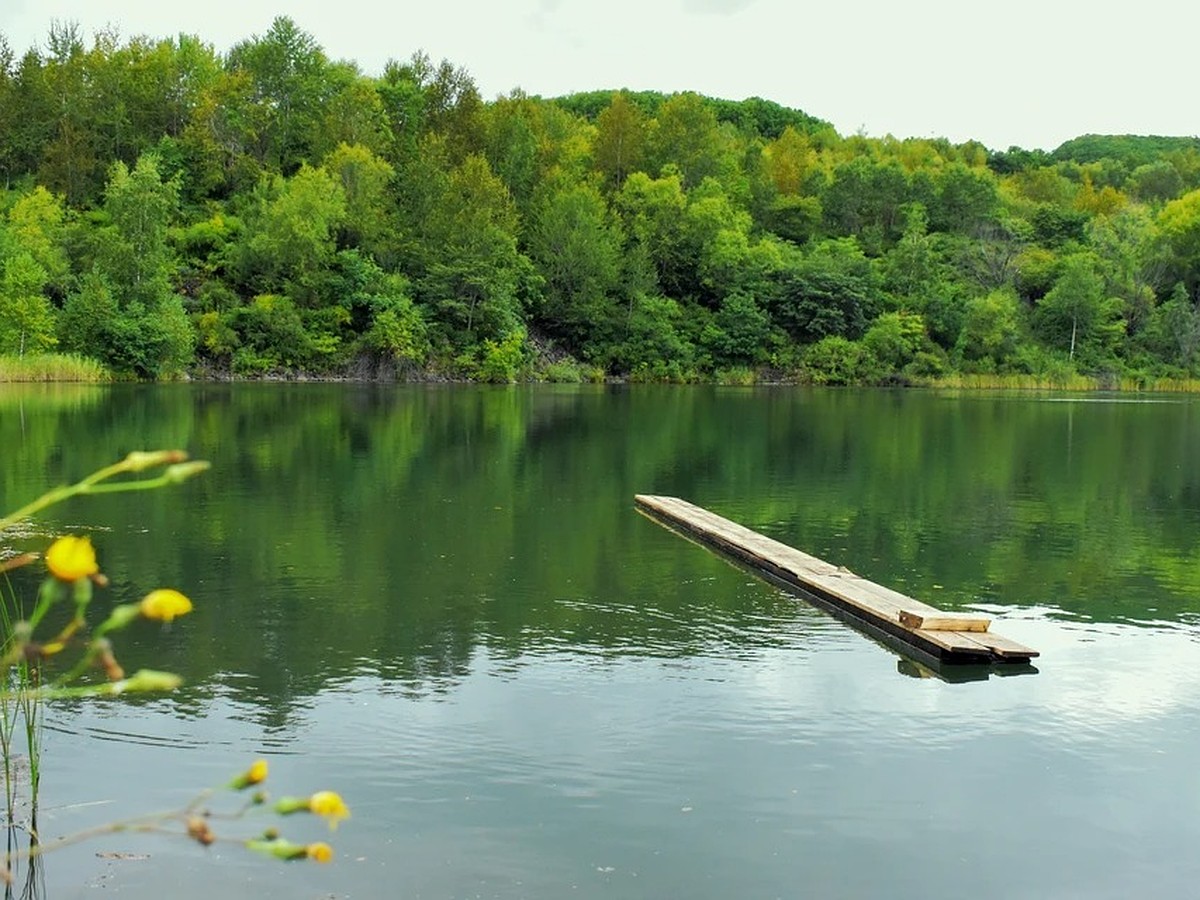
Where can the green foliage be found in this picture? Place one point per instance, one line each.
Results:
(620, 143)
(287, 71)
(740, 333)
(991, 331)
(576, 245)
(652, 347)
(865, 198)
(1131, 149)
(966, 199)
(1156, 182)
(837, 361)
(289, 238)
(1179, 225)
(87, 316)
(895, 338)
(687, 136)
(1075, 313)
(399, 222)
(501, 362)
(1173, 332)
(398, 330)
(26, 318)
(35, 226)
(270, 336)
(365, 179)
(831, 290)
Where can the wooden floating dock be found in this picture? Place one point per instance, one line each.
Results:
(934, 634)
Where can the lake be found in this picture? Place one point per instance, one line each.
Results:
(441, 602)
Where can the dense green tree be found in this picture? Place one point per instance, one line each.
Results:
(686, 134)
(576, 245)
(896, 338)
(470, 272)
(289, 238)
(511, 144)
(1076, 313)
(1156, 182)
(352, 113)
(653, 211)
(287, 71)
(133, 252)
(966, 199)
(790, 160)
(36, 226)
(620, 142)
(420, 98)
(150, 334)
(912, 268)
(1179, 225)
(311, 216)
(366, 179)
(1178, 323)
(991, 331)
(740, 333)
(831, 290)
(716, 236)
(865, 198)
(68, 163)
(26, 319)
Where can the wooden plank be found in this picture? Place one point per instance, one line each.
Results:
(946, 636)
(926, 621)
(1006, 648)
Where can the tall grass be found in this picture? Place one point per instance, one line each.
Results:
(20, 711)
(51, 367)
(1064, 382)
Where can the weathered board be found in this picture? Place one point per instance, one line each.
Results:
(947, 637)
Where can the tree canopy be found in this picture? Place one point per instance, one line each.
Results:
(166, 208)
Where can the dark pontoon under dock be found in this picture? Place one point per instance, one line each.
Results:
(945, 637)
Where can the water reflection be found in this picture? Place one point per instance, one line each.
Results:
(399, 530)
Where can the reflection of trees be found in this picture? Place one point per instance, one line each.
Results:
(401, 531)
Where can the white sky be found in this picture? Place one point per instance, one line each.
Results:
(1027, 72)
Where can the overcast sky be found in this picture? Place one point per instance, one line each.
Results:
(1019, 72)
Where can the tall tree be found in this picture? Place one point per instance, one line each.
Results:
(366, 180)
(289, 240)
(288, 71)
(471, 274)
(68, 163)
(150, 334)
(1076, 313)
(620, 141)
(35, 226)
(576, 245)
(686, 134)
(26, 318)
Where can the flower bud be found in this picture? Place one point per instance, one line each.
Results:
(181, 472)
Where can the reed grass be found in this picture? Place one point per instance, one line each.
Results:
(52, 367)
(20, 710)
(1071, 382)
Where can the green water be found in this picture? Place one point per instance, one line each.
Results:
(440, 602)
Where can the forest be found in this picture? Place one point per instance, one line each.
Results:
(171, 211)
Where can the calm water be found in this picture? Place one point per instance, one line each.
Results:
(441, 602)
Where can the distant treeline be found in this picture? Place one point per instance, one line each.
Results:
(167, 209)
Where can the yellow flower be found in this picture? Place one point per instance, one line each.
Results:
(71, 558)
(164, 605)
(319, 852)
(256, 774)
(329, 806)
